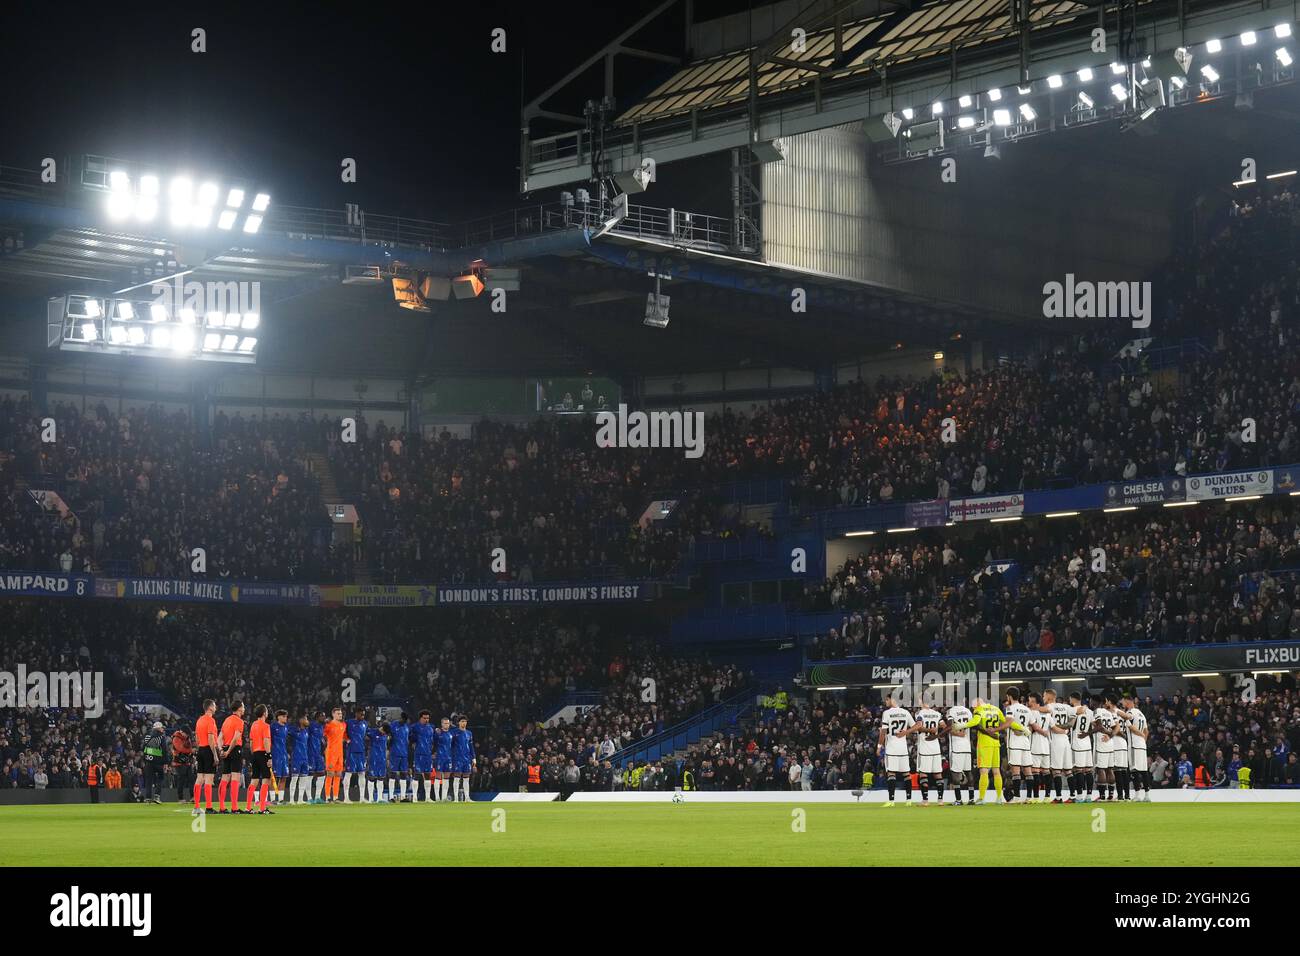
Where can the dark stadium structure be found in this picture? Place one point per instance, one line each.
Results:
(912, 461)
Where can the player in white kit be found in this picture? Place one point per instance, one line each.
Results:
(1018, 755)
(929, 755)
(896, 725)
(959, 752)
(1138, 734)
(1060, 723)
(1038, 748)
(1081, 749)
(1120, 748)
(1104, 748)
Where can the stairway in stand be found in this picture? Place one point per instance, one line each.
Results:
(330, 495)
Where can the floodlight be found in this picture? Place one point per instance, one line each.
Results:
(202, 216)
(1282, 31)
(125, 310)
(208, 193)
(908, 113)
(1213, 46)
(1210, 73)
(187, 316)
(1248, 38)
(212, 341)
(995, 94)
(1002, 117)
(119, 181)
(136, 335)
(119, 205)
(964, 101)
(117, 335)
(158, 313)
(1025, 90)
(252, 224)
(1086, 101)
(936, 108)
(1028, 112)
(148, 185)
(251, 320)
(1118, 91)
(1117, 69)
(216, 319)
(1283, 56)
(228, 342)
(183, 339)
(92, 308)
(247, 344)
(260, 202)
(227, 219)
(1055, 81)
(146, 207)
(89, 331)
(1177, 82)
(235, 198)
(1085, 75)
(161, 337)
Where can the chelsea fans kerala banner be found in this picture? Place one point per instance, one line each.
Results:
(1113, 664)
(41, 584)
(1232, 484)
(927, 514)
(991, 506)
(1143, 492)
(545, 594)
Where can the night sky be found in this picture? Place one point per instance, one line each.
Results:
(282, 94)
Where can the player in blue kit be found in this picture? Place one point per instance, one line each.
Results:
(316, 756)
(442, 761)
(377, 765)
(300, 761)
(422, 762)
(280, 755)
(399, 753)
(354, 753)
(462, 758)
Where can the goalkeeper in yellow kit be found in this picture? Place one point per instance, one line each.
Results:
(989, 722)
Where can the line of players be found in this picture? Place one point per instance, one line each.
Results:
(1068, 750)
(315, 760)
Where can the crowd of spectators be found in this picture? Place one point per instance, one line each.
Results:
(145, 487)
(507, 670)
(136, 493)
(831, 744)
(1198, 575)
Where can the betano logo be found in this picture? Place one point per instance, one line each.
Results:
(75, 909)
(653, 430)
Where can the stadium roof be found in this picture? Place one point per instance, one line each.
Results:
(871, 44)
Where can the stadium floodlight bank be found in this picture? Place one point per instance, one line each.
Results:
(156, 327)
(135, 194)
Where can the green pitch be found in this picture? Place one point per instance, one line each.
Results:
(595, 834)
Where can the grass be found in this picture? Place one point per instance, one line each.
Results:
(593, 834)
